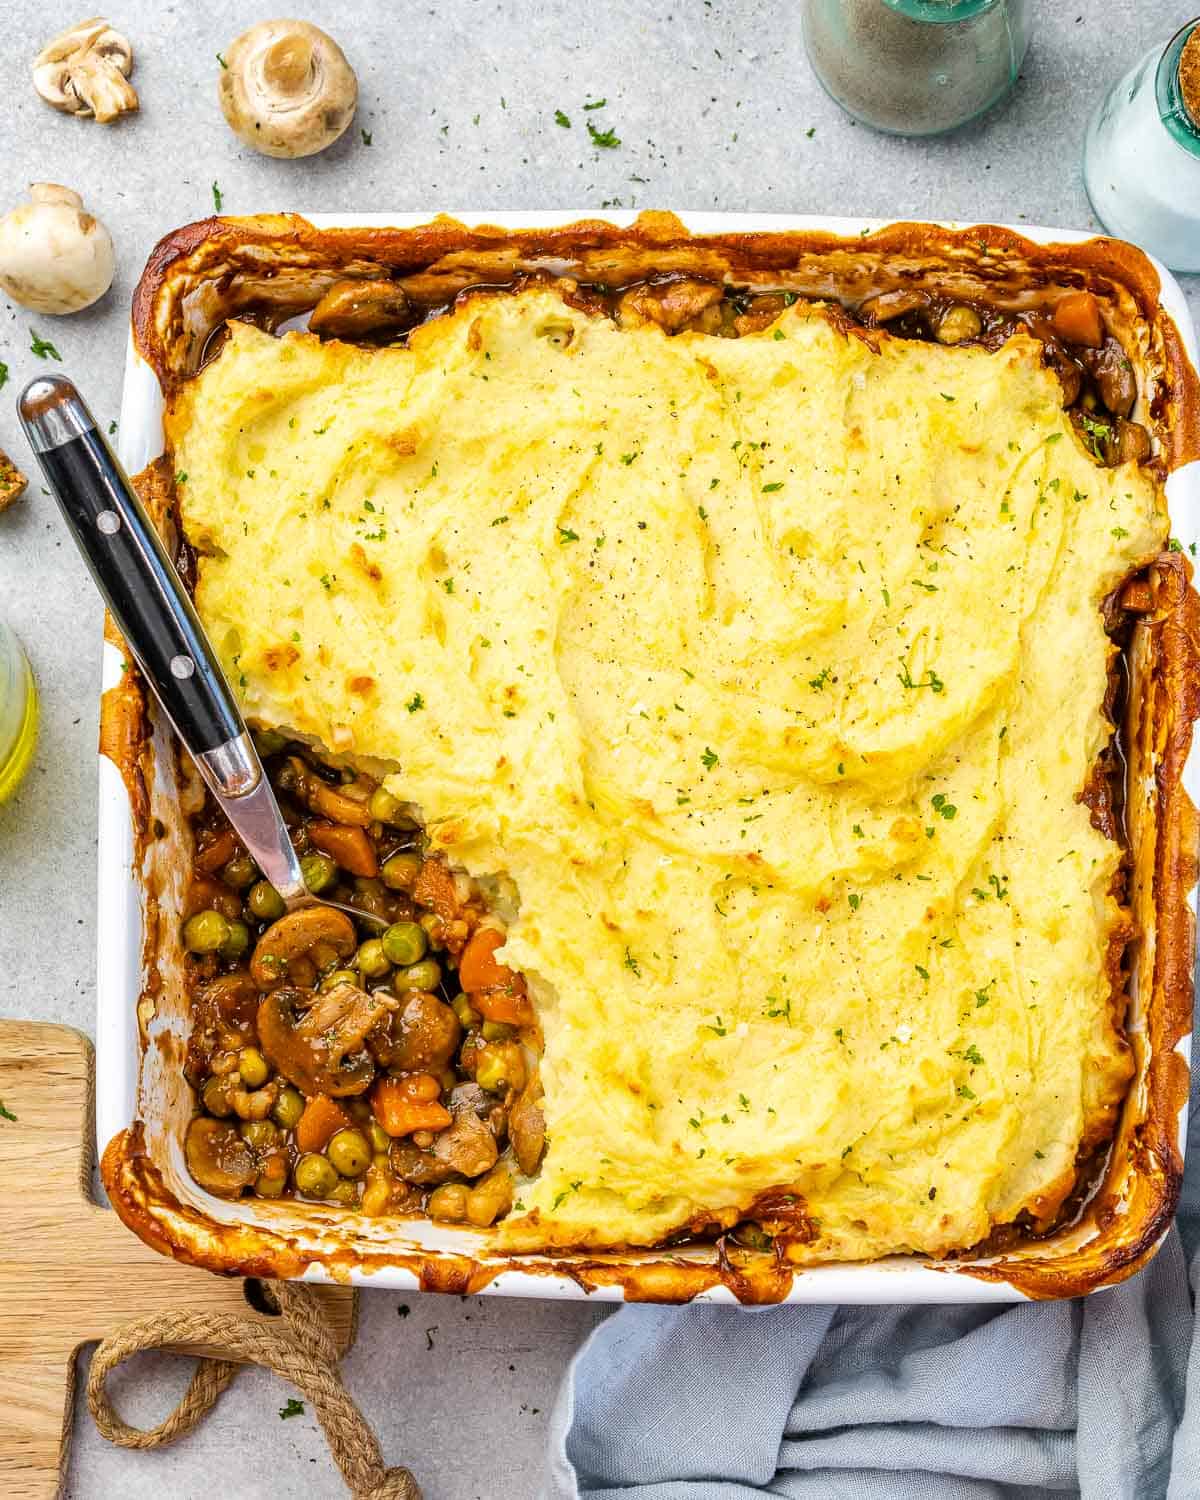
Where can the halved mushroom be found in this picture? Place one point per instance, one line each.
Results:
(316, 1041)
(350, 309)
(286, 88)
(217, 1157)
(527, 1127)
(293, 936)
(85, 71)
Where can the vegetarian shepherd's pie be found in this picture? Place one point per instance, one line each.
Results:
(721, 723)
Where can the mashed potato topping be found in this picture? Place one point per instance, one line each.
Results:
(770, 670)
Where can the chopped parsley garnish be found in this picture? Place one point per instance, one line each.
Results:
(565, 534)
(718, 1028)
(366, 137)
(769, 489)
(922, 971)
(43, 348)
(855, 900)
(221, 60)
(561, 119)
(981, 996)
(1001, 890)
(414, 703)
(4, 379)
(181, 476)
(964, 1092)
(218, 197)
(5, 1113)
(819, 681)
(946, 809)
(596, 104)
(628, 458)
(972, 1056)
(709, 758)
(605, 139)
(293, 1408)
(906, 678)
(632, 964)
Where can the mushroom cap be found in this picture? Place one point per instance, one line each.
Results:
(287, 89)
(85, 71)
(54, 257)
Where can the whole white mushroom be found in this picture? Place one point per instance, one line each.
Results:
(287, 89)
(54, 257)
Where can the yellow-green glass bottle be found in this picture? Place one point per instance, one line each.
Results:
(18, 712)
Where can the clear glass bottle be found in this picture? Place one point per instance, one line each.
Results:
(916, 67)
(18, 712)
(1141, 155)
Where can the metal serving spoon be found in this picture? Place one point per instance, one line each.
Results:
(147, 599)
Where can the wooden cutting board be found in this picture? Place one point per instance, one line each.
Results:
(70, 1272)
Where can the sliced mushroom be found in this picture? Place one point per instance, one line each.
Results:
(350, 309)
(289, 940)
(286, 88)
(527, 1128)
(218, 1158)
(85, 71)
(54, 257)
(316, 1042)
(468, 1146)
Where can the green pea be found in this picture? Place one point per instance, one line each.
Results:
(237, 941)
(314, 1175)
(426, 975)
(265, 902)
(344, 1191)
(216, 1097)
(253, 1067)
(378, 1136)
(240, 872)
(336, 977)
(349, 1151)
(288, 1107)
(385, 808)
(401, 870)
(319, 872)
(467, 1015)
(404, 943)
(205, 932)
(270, 1184)
(373, 962)
(260, 1134)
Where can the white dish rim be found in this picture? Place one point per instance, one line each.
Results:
(897, 1279)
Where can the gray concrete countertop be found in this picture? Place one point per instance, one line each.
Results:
(715, 107)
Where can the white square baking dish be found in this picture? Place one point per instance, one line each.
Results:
(140, 885)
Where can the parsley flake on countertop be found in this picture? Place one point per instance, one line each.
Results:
(218, 196)
(43, 348)
(6, 1114)
(606, 139)
(561, 119)
(293, 1408)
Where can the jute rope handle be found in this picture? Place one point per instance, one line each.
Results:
(300, 1350)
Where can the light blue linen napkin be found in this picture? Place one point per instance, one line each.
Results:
(1098, 1398)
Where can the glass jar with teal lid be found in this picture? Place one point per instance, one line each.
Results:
(1141, 155)
(18, 712)
(916, 67)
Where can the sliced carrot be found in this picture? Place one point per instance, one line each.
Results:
(321, 1118)
(400, 1113)
(218, 853)
(508, 1003)
(478, 968)
(348, 845)
(1077, 320)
